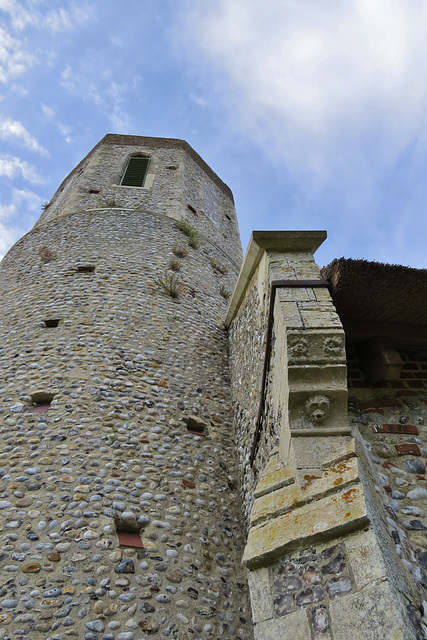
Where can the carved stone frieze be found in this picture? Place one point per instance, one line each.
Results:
(298, 347)
(313, 346)
(333, 346)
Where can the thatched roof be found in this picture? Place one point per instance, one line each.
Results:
(376, 292)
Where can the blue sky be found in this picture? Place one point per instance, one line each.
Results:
(314, 113)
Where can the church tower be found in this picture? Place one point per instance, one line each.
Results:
(119, 507)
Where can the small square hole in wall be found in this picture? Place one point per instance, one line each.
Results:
(196, 426)
(127, 539)
(93, 190)
(128, 533)
(88, 268)
(41, 401)
(51, 323)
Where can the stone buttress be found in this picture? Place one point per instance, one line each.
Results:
(120, 517)
(322, 566)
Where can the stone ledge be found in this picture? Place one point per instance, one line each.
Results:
(315, 486)
(275, 476)
(341, 512)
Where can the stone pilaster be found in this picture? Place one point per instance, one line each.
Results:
(309, 523)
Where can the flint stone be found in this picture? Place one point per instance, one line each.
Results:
(126, 566)
(416, 466)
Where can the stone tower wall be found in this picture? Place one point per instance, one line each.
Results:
(118, 419)
(178, 184)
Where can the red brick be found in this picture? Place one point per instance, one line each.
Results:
(378, 403)
(388, 463)
(396, 428)
(408, 448)
(130, 540)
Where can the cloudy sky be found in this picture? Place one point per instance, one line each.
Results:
(314, 113)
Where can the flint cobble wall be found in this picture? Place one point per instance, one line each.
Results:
(137, 437)
(247, 353)
(391, 419)
(176, 185)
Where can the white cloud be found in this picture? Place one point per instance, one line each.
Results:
(15, 130)
(65, 130)
(23, 14)
(7, 210)
(15, 56)
(310, 80)
(24, 196)
(20, 199)
(49, 112)
(14, 59)
(8, 236)
(106, 94)
(11, 166)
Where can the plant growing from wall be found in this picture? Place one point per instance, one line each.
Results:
(188, 230)
(218, 266)
(46, 254)
(184, 226)
(225, 293)
(170, 284)
(174, 264)
(179, 251)
(193, 240)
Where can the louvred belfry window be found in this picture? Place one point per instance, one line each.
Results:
(136, 169)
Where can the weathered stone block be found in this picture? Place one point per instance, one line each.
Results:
(330, 516)
(318, 453)
(294, 626)
(312, 485)
(371, 614)
(261, 596)
(274, 476)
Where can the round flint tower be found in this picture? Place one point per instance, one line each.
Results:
(119, 512)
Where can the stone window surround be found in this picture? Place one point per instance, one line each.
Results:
(149, 174)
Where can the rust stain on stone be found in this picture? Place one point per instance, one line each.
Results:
(308, 480)
(349, 495)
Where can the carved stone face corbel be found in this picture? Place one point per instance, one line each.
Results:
(317, 409)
